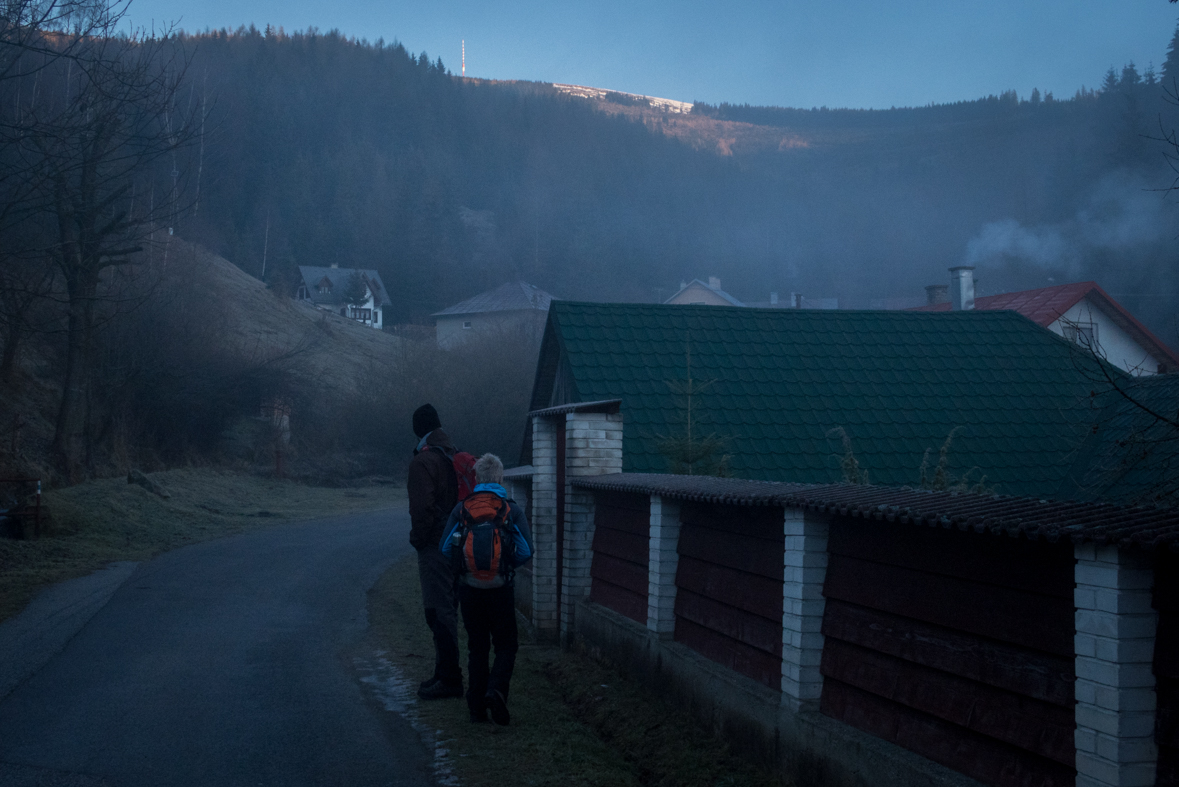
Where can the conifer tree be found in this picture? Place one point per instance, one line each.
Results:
(1171, 64)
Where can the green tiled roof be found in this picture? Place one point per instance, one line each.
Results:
(1131, 455)
(780, 383)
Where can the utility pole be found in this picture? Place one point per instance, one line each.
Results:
(464, 57)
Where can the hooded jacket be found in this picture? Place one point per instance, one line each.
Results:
(432, 488)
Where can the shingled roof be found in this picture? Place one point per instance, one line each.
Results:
(513, 296)
(336, 280)
(1131, 455)
(783, 387)
(1046, 305)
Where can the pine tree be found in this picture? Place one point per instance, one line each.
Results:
(1130, 77)
(1110, 83)
(1171, 64)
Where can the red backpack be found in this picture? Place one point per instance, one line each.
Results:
(464, 472)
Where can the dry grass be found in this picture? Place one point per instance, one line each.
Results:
(106, 520)
(575, 721)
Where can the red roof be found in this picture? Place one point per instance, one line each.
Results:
(1046, 305)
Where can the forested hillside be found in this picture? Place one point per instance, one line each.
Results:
(318, 149)
(272, 150)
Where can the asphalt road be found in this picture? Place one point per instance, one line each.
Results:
(224, 663)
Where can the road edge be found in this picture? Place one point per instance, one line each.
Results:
(42, 629)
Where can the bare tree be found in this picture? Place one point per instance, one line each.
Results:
(91, 132)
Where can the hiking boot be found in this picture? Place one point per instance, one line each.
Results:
(440, 691)
(498, 707)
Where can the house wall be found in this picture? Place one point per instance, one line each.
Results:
(511, 325)
(697, 294)
(1115, 344)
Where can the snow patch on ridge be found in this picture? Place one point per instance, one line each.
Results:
(664, 104)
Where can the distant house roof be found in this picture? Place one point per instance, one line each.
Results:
(1046, 305)
(781, 387)
(336, 280)
(715, 290)
(510, 297)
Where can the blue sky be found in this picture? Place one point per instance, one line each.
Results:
(852, 53)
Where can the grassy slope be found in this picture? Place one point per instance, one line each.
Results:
(334, 351)
(331, 353)
(107, 520)
(575, 721)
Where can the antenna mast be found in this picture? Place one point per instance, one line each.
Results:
(464, 57)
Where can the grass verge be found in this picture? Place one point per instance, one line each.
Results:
(107, 520)
(575, 721)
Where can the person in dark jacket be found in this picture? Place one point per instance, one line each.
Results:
(488, 598)
(433, 492)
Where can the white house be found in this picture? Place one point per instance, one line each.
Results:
(328, 289)
(513, 307)
(1081, 312)
(698, 293)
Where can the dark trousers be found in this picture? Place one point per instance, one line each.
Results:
(441, 603)
(489, 617)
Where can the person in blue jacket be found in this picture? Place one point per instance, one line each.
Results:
(487, 598)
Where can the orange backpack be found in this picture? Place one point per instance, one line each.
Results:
(485, 548)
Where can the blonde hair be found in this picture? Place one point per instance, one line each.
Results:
(489, 470)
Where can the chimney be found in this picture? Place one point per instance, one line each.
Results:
(714, 282)
(962, 288)
(773, 299)
(937, 293)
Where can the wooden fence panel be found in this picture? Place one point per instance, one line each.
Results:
(729, 587)
(958, 646)
(1166, 668)
(619, 572)
(978, 756)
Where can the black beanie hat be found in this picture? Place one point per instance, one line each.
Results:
(425, 420)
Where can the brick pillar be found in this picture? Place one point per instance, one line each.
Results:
(544, 525)
(663, 559)
(805, 569)
(1115, 629)
(593, 446)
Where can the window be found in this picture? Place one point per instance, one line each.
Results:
(467, 325)
(1083, 333)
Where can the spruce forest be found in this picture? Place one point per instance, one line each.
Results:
(133, 167)
(318, 149)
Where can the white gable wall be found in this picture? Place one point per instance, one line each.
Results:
(1114, 344)
(695, 293)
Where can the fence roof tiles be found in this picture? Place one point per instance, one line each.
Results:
(1081, 522)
